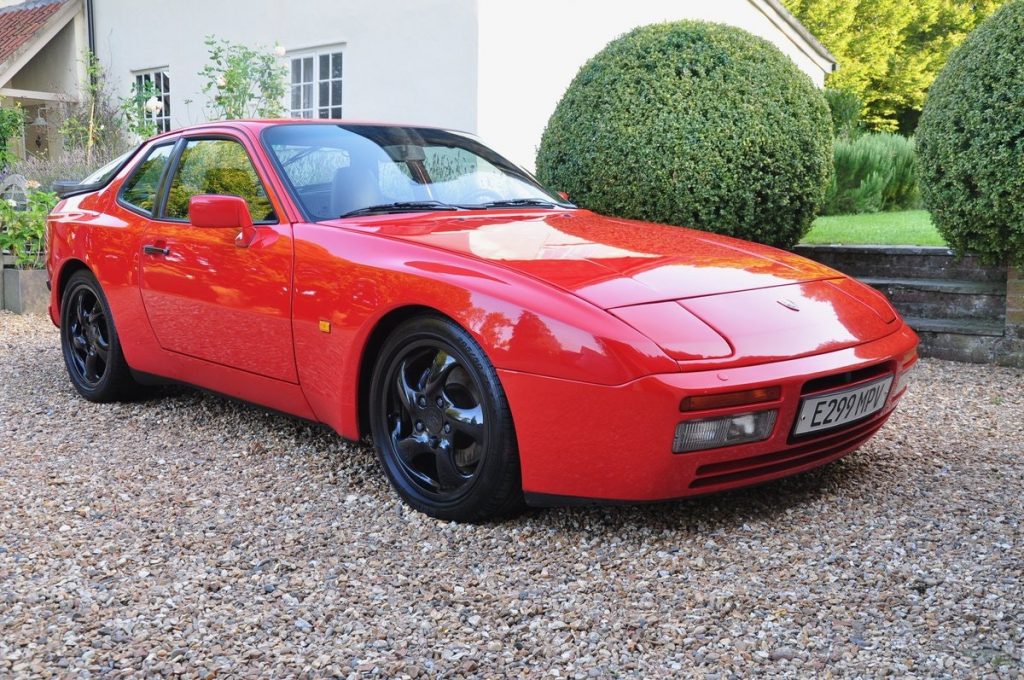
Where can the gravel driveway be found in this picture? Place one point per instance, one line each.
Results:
(192, 535)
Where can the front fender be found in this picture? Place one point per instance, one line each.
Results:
(346, 282)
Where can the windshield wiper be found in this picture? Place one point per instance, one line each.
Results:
(401, 206)
(518, 203)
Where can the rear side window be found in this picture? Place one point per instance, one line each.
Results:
(107, 172)
(140, 189)
(217, 166)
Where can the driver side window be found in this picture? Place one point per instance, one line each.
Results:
(217, 166)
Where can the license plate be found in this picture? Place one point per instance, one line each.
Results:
(827, 411)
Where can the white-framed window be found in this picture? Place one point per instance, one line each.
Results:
(161, 81)
(316, 79)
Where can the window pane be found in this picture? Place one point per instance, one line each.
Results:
(336, 112)
(296, 71)
(335, 94)
(140, 189)
(336, 65)
(307, 96)
(160, 81)
(217, 166)
(307, 70)
(324, 97)
(325, 113)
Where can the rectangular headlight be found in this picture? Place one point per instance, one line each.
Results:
(903, 382)
(713, 433)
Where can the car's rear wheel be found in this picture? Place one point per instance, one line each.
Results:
(441, 424)
(89, 341)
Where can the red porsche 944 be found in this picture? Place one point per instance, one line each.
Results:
(500, 345)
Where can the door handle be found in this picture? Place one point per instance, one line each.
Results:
(155, 250)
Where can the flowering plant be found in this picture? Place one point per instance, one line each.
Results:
(136, 107)
(244, 82)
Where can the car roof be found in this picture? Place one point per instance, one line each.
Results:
(258, 124)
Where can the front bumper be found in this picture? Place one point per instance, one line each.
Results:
(586, 442)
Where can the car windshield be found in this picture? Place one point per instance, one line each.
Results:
(339, 170)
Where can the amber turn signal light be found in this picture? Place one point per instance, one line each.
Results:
(704, 402)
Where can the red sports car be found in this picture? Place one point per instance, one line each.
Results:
(500, 345)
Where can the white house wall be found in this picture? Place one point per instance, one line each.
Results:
(530, 50)
(58, 65)
(404, 60)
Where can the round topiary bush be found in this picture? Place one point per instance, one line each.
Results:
(970, 141)
(693, 124)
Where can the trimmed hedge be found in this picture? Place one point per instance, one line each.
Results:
(971, 141)
(873, 172)
(693, 124)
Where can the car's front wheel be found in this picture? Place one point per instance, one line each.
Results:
(441, 424)
(89, 341)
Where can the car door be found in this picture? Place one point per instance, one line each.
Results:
(205, 295)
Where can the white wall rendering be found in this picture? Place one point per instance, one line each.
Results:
(404, 61)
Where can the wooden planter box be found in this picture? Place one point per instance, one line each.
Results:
(23, 291)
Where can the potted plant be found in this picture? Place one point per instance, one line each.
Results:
(23, 248)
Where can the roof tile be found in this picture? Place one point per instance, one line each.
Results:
(19, 23)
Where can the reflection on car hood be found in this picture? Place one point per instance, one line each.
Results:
(609, 262)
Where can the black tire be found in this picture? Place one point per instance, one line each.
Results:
(89, 342)
(442, 426)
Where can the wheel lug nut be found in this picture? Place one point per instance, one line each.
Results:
(422, 401)
(440, 402)
(447, 428)
(419, 426)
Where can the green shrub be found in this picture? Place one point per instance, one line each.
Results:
(12, 123)
(693, 124)
(243, 81)
(971, 141)
(845, 107)
(23, 229)
(873, 172)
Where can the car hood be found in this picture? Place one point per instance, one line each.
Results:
(608, 262)
(704, 299)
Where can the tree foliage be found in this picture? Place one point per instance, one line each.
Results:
(971, 141)
(693, 124)
(845, 107)
(889, 51)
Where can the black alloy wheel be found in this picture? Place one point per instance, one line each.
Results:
(89, 342)
(441, 424)
(89, 333)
